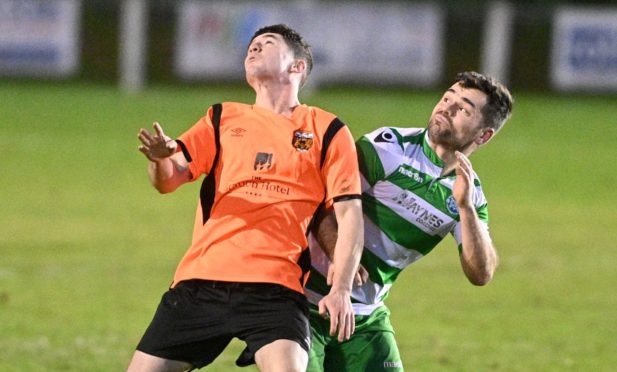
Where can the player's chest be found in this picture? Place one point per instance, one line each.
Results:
(270, 148)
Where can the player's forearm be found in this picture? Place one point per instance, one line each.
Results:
(166, 175)
(349, 244)
(325, 231)
(478, 258)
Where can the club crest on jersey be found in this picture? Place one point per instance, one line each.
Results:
(302, 141)
(451, 205)
(263, 162)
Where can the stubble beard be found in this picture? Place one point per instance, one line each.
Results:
(442, 134)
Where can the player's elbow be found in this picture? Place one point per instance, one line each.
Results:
(481, 278)
(481, 275)
(164, 188)
(480, 271)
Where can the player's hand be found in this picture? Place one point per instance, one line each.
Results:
(361, 276)
(463, 185)
(337, 306)
(156, 146)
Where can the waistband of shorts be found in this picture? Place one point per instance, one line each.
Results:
(236, 286)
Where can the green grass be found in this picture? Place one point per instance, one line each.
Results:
(87, 247)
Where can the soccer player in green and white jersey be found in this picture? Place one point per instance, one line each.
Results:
(418, 185)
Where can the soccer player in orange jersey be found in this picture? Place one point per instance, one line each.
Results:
(268, 167)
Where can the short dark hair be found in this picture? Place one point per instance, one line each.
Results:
(293, 39)
(498, 108)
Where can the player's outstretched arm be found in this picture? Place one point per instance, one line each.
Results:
(347, 253)
(478, 258)
(167, 169)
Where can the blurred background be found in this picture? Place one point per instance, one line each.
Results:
(547, 45)
(87, 247)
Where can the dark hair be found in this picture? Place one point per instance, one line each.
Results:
(293, 39)
(498, 107)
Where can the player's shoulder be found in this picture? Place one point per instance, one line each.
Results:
(317, 111)
(235, 107)
(394, 136)
(322, 121)
(227, 111)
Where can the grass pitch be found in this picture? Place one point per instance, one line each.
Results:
(87, 246)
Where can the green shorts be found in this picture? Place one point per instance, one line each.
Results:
(371, 348)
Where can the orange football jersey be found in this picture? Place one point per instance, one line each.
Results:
(271, 175)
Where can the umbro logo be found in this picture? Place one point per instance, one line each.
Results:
(238, 132)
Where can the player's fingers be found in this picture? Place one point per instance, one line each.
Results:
(342, 328)
(323, 311)
(466, 166)
(334, 324)
(349, 326)
(361, 275)
(145, 137)
(144, 150)
(463, 160)
(352, 323)
(346, 327)
(330, 275)
(357, 279)
(158, 129)
(462, 170)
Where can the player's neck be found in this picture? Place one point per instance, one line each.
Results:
(278, 98)
(448, 156)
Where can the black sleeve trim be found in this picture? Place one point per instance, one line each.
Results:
(208, 187)
(185, 151)
(304, 261)
(346, 197)
(332, 130)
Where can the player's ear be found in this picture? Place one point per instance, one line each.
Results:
(299, 65)
(485, 136)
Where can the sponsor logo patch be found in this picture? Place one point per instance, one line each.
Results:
(397, 364)
(257, 187)
(263, 162)
(420, 215)
(411, 174)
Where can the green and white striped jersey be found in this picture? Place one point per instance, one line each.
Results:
(408, 209)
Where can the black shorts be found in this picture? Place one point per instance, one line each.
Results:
(197, 319)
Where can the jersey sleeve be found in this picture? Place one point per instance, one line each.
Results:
(379, 154)
(198, 146)
(340, 167)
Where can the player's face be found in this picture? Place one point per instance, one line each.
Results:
(456, 121)
(268, 57)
